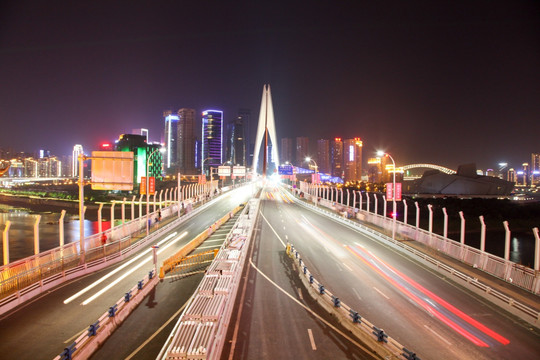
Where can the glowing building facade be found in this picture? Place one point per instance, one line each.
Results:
(212, 139)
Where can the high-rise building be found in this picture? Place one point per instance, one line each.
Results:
(535, 169)
(352, 159)
(526, 169)
(245, 116)
(77, 150)
(323, 156)
(212, 139)
(337, 157)
(374, 170)
(286, 151)
(171, 141)
(236, 142)
(511, 176)
(141, 151)
(302, 150)
(186, 141)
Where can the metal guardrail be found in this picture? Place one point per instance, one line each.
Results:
(88, 342)
(35, 277)
(169, 263)
(381, 343)
(517, 308)
(200, 331)
(186, 265)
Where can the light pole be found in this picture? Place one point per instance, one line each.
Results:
(382, 153)
(308, 159)
(162, 150)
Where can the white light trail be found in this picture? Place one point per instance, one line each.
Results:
(127, 273)
(89, 287)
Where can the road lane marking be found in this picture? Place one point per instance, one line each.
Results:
(351, 340)
(209, 241)
(380, 292)
(300, 294)
(121, 267)
(287, 237)
(130, 271)
(356, 293)
(311, 339)
(348, 267)
(339, 267)
(438, 335)
(282, 243)
(158, 330)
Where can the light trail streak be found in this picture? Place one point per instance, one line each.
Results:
(121, 267)
(129, 272)
(428, 305)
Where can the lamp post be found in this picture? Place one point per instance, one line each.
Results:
(381, 153)
(147, 186)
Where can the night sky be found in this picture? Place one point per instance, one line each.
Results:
(445, 82)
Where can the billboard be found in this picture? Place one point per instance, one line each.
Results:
(112, 170)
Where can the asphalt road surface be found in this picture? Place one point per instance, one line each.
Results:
(424, 311)
(43, 327)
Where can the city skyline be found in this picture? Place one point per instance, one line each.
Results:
(438, 83)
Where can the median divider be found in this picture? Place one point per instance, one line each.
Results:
(202, 327)
(374, 337)
(177, 258)
(89, 341)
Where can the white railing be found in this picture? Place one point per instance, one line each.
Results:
(471, 254)
(29, 277)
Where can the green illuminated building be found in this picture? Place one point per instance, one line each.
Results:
(141, 150)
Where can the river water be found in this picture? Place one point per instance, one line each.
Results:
(21, 232)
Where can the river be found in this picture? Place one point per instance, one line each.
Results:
(21, 232)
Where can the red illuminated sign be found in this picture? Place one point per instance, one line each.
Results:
(390, 192)
(152, 185)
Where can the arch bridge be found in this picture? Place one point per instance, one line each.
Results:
(428, 166)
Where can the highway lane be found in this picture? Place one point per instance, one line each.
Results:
(424, 311)
(274, 317)
(41, 328)
(160, 311)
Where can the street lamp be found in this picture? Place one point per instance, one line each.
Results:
(382, 153)
(308, 159)
(162, 150)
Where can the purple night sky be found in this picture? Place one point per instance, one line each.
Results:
(445, 82)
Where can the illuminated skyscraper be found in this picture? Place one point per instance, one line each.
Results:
(302, 150)
(186, 141)
(323, 156)
(212, 139)
(77, 150)
(352, 159)
(141, 150)
(286, 150)
(535, 169)
(236, 142)
(337, 157)
(171, 141)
